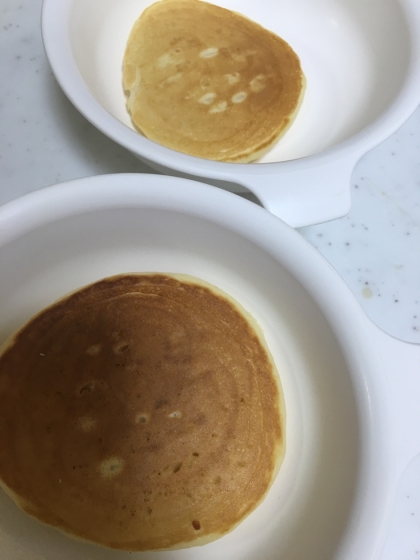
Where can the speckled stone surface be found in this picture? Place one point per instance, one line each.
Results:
(376, 248)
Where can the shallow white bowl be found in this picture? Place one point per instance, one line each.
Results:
(332, 497)
(360, 58)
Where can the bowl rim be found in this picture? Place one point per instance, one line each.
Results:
(57, 44)
(370, 518)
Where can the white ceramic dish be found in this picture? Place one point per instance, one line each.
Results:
(360, 58)
(331, 500)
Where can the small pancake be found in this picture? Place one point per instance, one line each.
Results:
(210, 82)
(141, 412)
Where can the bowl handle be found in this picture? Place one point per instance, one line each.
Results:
(306, 196)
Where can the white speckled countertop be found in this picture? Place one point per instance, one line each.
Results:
(376, 248)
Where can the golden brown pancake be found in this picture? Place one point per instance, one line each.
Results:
(210, 82)
(141, 412)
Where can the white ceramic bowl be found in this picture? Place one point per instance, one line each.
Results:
(360, 58)
(331, 500)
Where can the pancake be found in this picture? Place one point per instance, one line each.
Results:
(141, 412)
(210, 82)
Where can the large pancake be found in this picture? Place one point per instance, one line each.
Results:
(209, 82)
(141, 412)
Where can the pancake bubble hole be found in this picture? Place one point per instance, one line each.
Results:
(111, 467)
(142, 418)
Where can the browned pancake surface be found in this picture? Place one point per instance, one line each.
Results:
(210, 82)
(141, 412)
